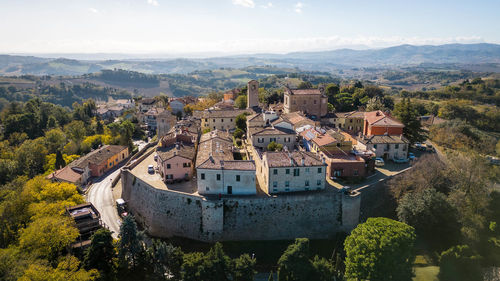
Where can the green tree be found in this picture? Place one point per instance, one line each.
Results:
(380, 249)
(332, 90)
(166, 260)
(243, 268)
(30, 157)
(241, 102)
(432, 216)
(131, 252)
(60, 163)
(460, 263)
(305, 85)
(101, 253)
(273, 146)
(212, 266)
(294, 264)
(55, 140)
(241, 122)
(406, 112)
(238, 133)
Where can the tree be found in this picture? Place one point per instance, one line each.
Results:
(273, 146)
(432, 216)
(46, 237)
(460, 263)
(166, 260)
(271, 277)
(60, 163)
(101, 252)
(238, 133)
(131, 252)
(324, 270)
(408, 115)
(294, 264)
(243, 268)
(241, 122)
(68, 269)
(76, 131)
(241, 102)
(380, 249)
(305, 85)
(55, 140)
(30, 157)
(332, 90)
(212, 266)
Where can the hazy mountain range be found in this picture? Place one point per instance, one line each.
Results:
(403, 55)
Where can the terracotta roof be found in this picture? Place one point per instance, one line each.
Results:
(97, 156)
(181, 150)
(324, 139)
(379, 118)
(297, 119)
(353, 114)
(66, 174)
(304, 91)
(292, 159)
(382, 139)
(266, 131)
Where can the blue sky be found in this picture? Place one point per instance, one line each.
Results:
(239, 26)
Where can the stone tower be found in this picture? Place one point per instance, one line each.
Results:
(252, 93)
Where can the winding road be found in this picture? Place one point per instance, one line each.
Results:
(101, 196)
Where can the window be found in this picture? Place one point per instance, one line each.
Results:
(111, 164)
(168, 166)
(231, 119)
(287, 171)
(275, 184)
(116, 160)
(275, 171)
(287, 184)
(202, 176)
(320, 170)
(186, 175)
(296, 172)
(307, 170)
(237, 177)
(318, 182)
(206, 120)
(275, 190)
(213, 120)
(355, 172)
(218, 177)
(186, 165)
(396, 146)
(207, 188)
(375, 146)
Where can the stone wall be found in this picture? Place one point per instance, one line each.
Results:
(166, 213)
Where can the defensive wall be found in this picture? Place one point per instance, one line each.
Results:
(167, 213)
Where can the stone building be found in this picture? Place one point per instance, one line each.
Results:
(351, 122)
(310, 101)
(222, 120)
(217, 170)
(176, 162)
(164, 122)
(385, 146)
(252, 94)
(285, 171)
(380, 123)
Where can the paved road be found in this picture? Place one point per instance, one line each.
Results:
(101, 196)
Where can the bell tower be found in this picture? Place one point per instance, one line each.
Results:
(252, 94)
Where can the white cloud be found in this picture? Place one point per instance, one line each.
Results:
(244, 3)
(298, 7)
(153, 2)
(93, 10)
(268, 5)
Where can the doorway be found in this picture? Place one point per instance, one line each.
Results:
(229, 189)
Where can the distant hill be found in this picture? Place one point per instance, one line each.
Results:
(464, 55)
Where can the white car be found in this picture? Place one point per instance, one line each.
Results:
(379, 162)
(151, 169)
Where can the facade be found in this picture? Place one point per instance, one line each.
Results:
(380, 123)
(146, 104)
(222, 120)
(385, 146)
(176, 162)
(351, 122)
(252, 94)
(218, 172)
(284, 171)
(261, 137)
(231, 94)
(164, 122)
(310, 101)
(345, 164)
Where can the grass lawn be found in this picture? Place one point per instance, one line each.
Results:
(426, 273)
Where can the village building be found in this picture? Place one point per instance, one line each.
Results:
(177, 104)
(253, 94)
(299, 121)
(351, 122)
(380, 123)
(392, 147)
(164, 122)
(217, 170)
(176, 161)
(286, 171)
(231, 95)
(93, 164)
(309, 101)
(222, 120)
(316, 139)
(345, 164)
(145, 104)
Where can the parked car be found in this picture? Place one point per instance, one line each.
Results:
(151, 169)
(411, 156)
(379, 162)
(400, 161)
(156, 157)
(420, 146)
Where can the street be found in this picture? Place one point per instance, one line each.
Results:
(101, 196)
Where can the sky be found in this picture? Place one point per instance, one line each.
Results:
(180, 27)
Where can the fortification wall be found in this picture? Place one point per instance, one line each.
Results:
(165, 213)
